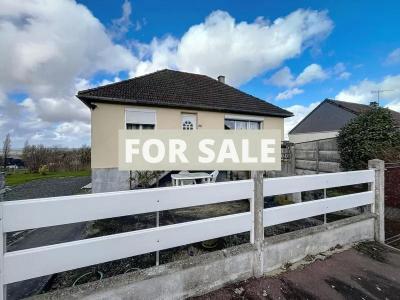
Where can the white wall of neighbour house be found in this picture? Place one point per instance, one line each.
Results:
(311, 136)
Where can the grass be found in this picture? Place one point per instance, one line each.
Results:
(19, 177)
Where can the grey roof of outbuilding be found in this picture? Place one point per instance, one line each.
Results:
(349, 108)
(170, 88)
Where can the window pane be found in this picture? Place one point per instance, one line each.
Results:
(187, 125)
(147, 126)
(229, 124)
(131, 126)
(241, 125)
(254, 125)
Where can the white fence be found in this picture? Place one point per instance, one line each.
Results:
(36, 213)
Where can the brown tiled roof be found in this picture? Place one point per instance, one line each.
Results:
(357, 109)
(182, 90)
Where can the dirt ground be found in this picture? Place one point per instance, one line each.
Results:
(367, 271)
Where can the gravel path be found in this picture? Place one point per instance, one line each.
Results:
(42, 188)
(51, 187)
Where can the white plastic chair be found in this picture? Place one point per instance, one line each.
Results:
(214, 176)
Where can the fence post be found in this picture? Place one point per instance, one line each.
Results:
(258, 225)
(3, 241)
(296, 197)
(379, 205)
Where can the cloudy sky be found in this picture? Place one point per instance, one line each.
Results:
(291, 53)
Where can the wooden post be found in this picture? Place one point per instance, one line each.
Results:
(296, 197)
(292, 159)
(258, 224)
(379, 205)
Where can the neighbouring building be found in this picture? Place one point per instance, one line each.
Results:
(328, 118)
(166, 100)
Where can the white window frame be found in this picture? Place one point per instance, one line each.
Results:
(190, 114)
(245, 119)
(140, 110)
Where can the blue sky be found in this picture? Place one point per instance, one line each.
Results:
(364, 33)
(316, 50)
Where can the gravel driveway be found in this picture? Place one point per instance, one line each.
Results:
(42, 188)
(51, 187)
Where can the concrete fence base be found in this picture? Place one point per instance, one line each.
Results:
(204, 273)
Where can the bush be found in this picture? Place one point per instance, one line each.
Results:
(370, 135)
(44, 170)
(56, 159)
(145, 178)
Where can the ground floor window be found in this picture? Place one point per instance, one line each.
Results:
(131, 126)
(231, 124)
(136, 119)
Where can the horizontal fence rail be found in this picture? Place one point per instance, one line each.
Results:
(37, 213)
(294, 184)
(293, 212)
(25, 264)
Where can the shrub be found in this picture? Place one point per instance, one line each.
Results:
(145, 178)
(44, 170)
(370, 135)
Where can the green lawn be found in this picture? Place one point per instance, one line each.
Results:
(18, 178)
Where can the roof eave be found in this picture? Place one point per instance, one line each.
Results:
(89, 100)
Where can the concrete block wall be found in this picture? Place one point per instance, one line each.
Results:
(292, 247)
(207, 272)
(109, 180)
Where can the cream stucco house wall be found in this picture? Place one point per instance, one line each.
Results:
(105, 134)
(166, 100)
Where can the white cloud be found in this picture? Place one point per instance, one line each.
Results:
(361, 92)
(284, 76)
(288, 94)
(47, 46)
(344, 75)
(299, 111)
(394, 105)
(240, 51)
(121, 25)
(393, 57)
(339, 70)
(311, 73)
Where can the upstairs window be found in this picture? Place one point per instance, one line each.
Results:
(136, 119)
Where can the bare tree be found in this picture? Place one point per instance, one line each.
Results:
(6, 149)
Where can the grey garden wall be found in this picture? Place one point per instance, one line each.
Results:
(204, 273)
(109, 180)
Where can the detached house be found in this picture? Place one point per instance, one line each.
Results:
(166, 100)
(328, 118)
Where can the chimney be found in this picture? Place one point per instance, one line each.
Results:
(373, 104)
(221, 78)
